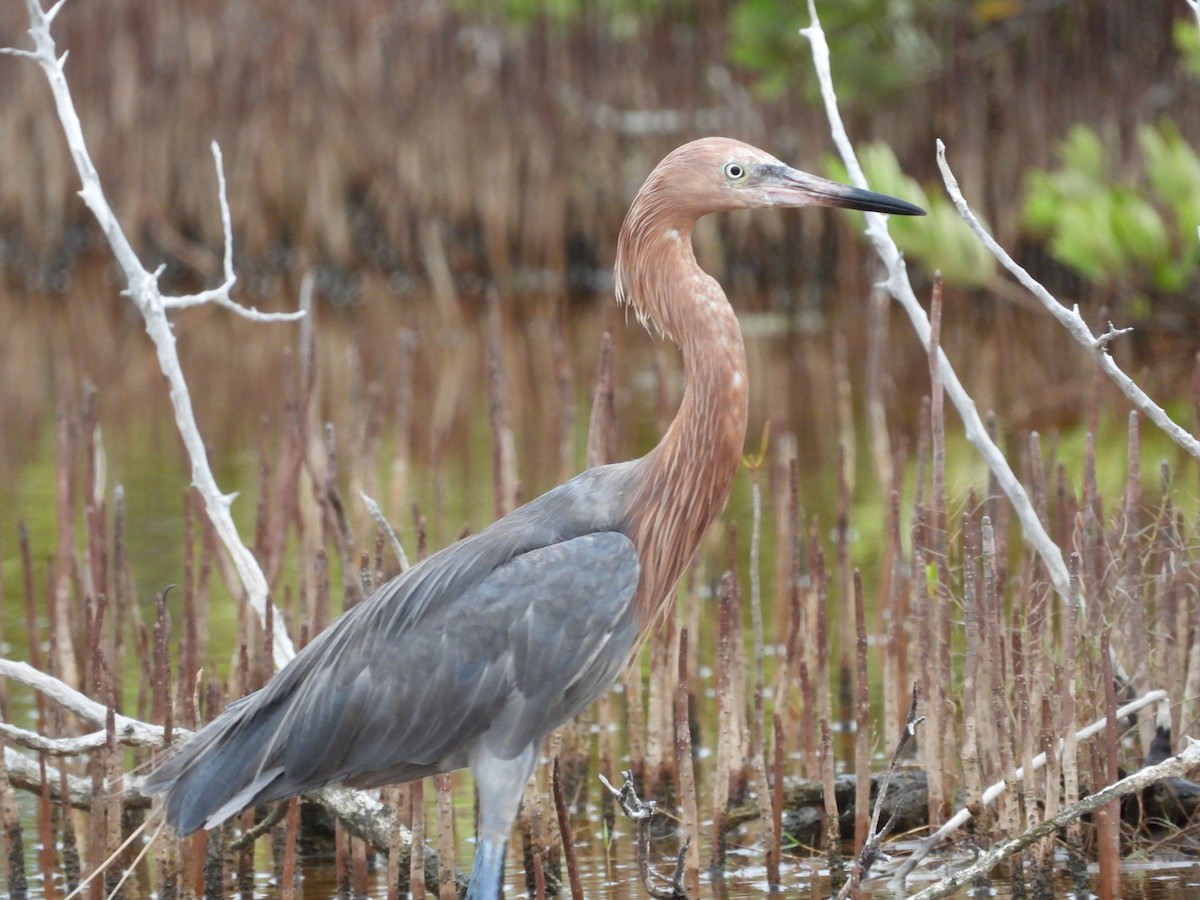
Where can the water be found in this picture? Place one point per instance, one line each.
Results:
(241, 376)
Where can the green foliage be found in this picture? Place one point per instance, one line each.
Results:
(939, 240)
(1130, 226)
(877, 46)
(1187, 42)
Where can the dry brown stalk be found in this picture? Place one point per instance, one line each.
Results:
(447, 889)
(687, 775)
(1109, 816)
(774, 850)
(14, 840)
(46, 837)
(786, 519)
(762, 790)
(661, 776)
(998, 669)
(1076, 864)
(833, 834)
(564, 828)
(862, 722)
(65, 441)
(845, 606)
(416, 871)
(1051, 791)
(727, 758)
(972, 771)
(897, 625)
(504, 451)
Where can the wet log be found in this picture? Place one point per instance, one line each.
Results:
(1169, 803)
(803, 806)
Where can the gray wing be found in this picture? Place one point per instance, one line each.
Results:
(382, 697)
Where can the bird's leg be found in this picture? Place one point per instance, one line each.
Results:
(500, 783)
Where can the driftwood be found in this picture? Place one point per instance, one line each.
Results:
(1171, 802)
(804, 806)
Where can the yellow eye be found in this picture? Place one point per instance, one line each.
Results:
(734, 171)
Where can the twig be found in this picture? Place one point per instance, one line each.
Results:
(641, 812)
(564, 827)
(1070, 319)
(143, 289)
(1175, 767)
(220, 295)
(129, 731)
(386, 526)
(872, 851)
(363, 816)
(25, 773)
(73, 746)
(989, 796)
(898, 285)
(247, 838)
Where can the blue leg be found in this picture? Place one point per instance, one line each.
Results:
(487, 872)
(500, 783)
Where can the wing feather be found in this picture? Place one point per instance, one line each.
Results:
(383, 696)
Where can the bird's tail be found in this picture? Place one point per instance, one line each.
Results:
(219, 771)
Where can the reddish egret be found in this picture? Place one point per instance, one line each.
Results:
(472, 656)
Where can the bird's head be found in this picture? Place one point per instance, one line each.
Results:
(717, 174)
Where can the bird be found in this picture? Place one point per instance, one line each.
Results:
(469, 658)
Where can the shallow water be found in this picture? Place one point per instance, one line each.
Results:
(236, 372)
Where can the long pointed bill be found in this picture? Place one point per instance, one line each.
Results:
(812, 190)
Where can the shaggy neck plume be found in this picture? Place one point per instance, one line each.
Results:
(687, 477)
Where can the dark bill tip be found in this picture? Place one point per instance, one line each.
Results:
(870, 201)
(824, 192)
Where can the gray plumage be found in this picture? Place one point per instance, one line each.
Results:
(498, 639)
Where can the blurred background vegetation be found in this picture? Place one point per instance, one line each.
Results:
(422, 155)
(416, 154)
(509, 137)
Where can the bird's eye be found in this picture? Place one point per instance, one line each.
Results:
(734, 171)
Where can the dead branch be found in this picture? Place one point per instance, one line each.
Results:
(961, 817)
(642, 812)
(872, 851)
(898, 285)
(1070, 319)
(1174, 767)
(143, 289)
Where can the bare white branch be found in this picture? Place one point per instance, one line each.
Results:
(989, 796)
(129, 730)
(363, 814)
(1112, 334)
(72, 746)
(1175, 767)
(143, 290)
(899, 286)
(221, 295)
(53, 11)
(26, 774)
(1070, 319)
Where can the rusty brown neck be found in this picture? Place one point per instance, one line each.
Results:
(686, 478)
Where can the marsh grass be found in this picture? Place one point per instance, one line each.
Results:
(950, 598)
